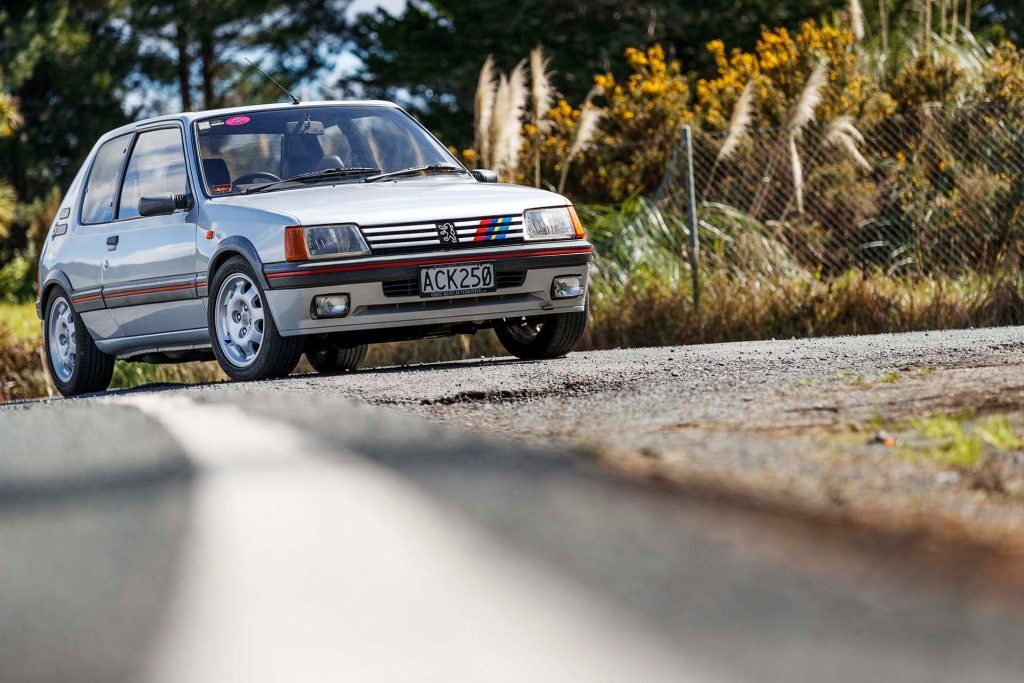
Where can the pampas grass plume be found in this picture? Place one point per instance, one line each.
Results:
(483, 111)
(739, 122)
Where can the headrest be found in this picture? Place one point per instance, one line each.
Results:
(216, 172)
(330, 161)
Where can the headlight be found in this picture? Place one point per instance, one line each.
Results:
(323, 241)
(552, 224)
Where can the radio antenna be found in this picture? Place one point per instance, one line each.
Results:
(295, 100)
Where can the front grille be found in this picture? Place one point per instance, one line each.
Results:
(427, 236)
(511, 279)
(411, 287)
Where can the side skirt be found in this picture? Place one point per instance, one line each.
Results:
(127, 347)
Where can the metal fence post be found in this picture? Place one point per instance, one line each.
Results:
(691, 214)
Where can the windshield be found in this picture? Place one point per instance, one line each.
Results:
(244, 151)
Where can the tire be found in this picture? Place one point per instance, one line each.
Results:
(245, 340)
(331, 360)
(542, 337)
(75, 364)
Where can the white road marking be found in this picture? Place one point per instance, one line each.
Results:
(315, 567)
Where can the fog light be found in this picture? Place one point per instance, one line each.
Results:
(330, 306)
(567, 286)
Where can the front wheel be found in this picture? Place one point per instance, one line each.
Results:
(76, 365)
(331, 360)
(245, 340)
(543, 336)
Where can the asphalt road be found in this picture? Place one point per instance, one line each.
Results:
(293, 530)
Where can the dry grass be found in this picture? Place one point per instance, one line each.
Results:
(644, 308)
(646, 312)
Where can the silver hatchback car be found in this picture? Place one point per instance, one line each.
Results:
(257, 234)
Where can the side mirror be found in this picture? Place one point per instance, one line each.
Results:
(164, 204)
(485, 176)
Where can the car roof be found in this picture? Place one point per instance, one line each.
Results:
(190, 116)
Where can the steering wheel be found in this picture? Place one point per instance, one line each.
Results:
(259, 175)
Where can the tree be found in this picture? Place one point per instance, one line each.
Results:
(69, 69)
(430, 55)
(200, 46)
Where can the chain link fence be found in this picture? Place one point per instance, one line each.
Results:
(929, 191)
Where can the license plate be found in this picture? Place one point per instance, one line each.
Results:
(457, 279)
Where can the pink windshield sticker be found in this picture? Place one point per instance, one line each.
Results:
(237, 120)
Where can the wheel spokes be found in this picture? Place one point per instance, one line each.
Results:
(240, 320)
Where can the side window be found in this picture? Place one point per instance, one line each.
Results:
(157, 166)
(101, 188)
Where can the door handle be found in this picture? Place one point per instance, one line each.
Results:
(112, 242)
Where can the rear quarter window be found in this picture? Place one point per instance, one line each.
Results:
(101, 186)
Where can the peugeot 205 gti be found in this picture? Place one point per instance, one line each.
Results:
(257, 234)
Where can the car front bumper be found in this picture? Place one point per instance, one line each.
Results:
(374, 285)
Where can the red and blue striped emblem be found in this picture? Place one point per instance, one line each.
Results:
(493, 229)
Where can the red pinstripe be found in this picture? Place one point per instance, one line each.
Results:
(428, 262)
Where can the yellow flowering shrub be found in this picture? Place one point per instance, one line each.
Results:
(643, 115)
(927, 80)
(1003, 79)
(779, 66)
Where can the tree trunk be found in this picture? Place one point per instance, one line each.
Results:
(207, 59)
(181, 41)
(884, 20)
(928, 29)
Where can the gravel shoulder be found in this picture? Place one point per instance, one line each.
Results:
(785, 423)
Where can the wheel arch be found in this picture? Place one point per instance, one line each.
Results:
(237, 246)
(54, 278)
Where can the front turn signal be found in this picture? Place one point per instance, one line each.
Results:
(576, 224)
(295, 244)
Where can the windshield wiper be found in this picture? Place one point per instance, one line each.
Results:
(430, 168)
(315, 175)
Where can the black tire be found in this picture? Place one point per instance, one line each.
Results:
(92, 368)
(276, 357)
(328, 359)
(542, 337)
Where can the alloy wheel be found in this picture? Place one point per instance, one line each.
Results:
(62, 338)
(240, 320)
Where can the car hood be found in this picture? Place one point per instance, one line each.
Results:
(402, 201)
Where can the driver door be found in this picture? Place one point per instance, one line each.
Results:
(150, 267)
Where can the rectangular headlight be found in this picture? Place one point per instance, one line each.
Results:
(549, 224)
(324, 241)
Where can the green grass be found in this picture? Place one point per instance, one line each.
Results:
(890, 377)
(960, 440)
(20, 320)
(948, 440)
(21, 366)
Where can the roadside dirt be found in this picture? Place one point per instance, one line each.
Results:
(844, 448)
(851, 450)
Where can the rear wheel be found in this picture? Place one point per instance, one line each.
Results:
(76, 365)
(543, 336)
(329, 360)
(245, 340)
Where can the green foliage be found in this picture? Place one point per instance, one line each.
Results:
(430, 55)
(74, 67)
(198, 47)
(17, 277)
